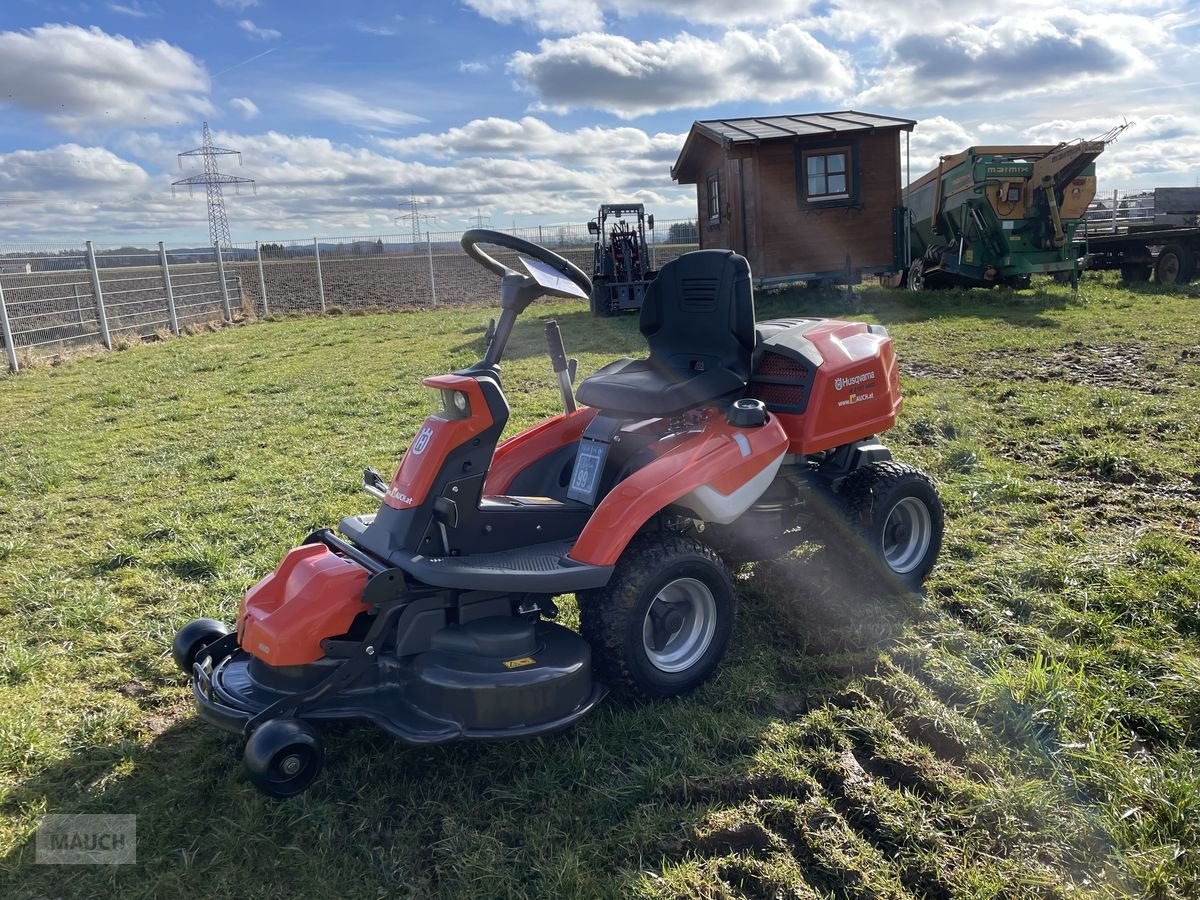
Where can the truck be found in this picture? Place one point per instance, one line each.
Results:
(1155, 233)
(996, 215)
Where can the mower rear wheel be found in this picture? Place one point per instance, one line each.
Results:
(193, 638)
(661, 625)
(895, 512)
(283, 757)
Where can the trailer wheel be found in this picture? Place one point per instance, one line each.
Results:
(661, 625)
(1175, 265)
(1135, 273)
(916, 275)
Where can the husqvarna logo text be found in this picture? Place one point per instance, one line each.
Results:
(422, 441)
(840, 383)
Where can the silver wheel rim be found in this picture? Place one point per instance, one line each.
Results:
(679, 625)
(907, 534)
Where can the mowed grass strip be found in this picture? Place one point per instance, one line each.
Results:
(1026, 728)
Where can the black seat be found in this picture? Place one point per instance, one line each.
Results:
(698, 318)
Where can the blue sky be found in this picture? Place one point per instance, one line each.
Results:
(536, 111)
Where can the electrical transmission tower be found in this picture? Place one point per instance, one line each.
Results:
(479, 220)
(415, 217)
(218, 222)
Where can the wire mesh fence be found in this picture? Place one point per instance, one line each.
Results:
(55, 299)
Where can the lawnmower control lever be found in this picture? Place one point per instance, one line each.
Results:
(563, 369)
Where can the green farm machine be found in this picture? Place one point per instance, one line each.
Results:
(996, 215)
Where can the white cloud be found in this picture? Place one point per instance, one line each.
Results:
(575, 16)
(531, 137)
(374, 28)
(239, 5)
(248, 107)
(70, 170)
(132, 9)
(933, 137)
(548, 15)
(1011, 57)
(473, 68)
(348, 109)
(259, 34)
(613, 73)
(80, 77)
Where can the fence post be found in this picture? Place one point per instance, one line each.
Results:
(166, 273)
(320, 280)
(224, 286)
(1114, 215)
(7, 331)
(262, 279)
(101, 317)
(432, 282)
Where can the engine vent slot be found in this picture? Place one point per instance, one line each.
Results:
(781, 382)
(775, 395)
(773, 365)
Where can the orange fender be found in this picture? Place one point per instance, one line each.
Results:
(722, 458)
(314, 594)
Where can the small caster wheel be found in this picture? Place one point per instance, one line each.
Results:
(283, 757)
(194, 637)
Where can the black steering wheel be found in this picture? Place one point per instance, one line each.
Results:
(471, 239)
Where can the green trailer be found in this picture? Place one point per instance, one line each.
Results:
(996, 215)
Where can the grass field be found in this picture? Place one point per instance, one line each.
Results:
(1028, 728)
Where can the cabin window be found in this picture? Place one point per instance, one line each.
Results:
(714, 197)
(828, 178)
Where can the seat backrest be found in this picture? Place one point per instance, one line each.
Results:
(699, 313)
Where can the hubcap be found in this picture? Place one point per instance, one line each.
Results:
(679, 625)
(1168, 270)
(291, 764)
(907, 534)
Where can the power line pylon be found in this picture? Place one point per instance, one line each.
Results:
(212, 179)
(415, 217)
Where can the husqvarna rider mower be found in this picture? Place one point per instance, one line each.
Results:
(431, 615)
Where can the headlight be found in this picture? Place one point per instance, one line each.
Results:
(460, 401)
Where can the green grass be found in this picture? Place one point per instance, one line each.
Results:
(1027, 728)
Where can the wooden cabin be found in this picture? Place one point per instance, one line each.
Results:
(803, 198)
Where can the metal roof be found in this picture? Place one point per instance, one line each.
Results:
(765, 128)
(754, 129)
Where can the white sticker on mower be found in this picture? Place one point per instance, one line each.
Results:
(422, 441)
(743, 444)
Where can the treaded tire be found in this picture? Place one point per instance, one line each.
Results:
(871, 496)
(612, 618)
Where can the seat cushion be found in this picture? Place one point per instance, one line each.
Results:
(639, 387)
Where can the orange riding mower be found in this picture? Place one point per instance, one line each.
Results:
(434, 615)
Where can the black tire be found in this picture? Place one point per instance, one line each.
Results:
(192, 638)
(896, 521)
(1175, 265)
(283, 757)
(916, 275)
(1135, 273)
(601, 298)
(689, 587)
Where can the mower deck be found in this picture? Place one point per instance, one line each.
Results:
(474, 693)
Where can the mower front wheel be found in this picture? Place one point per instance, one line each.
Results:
(192, 638)
(661, 625)
(283, 757)
(896, 515)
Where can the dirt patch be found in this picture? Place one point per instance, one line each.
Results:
(741, 837)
